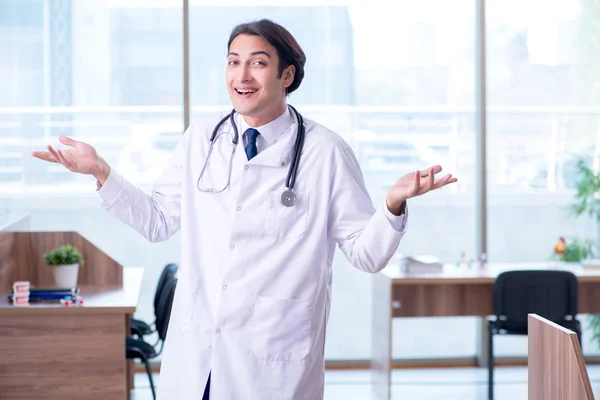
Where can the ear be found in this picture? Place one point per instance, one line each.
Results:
(288, 76)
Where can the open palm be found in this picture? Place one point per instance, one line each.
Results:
(81, 158)
(416, 184)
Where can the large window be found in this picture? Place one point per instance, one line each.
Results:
(543, 97)
(104, 73)
(107, 73)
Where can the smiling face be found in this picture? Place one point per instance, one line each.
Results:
(256, 88)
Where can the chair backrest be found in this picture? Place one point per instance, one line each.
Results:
(551, 294)
(168, 271)
(165, 303)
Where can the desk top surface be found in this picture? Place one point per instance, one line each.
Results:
(452, 274)
(96, 299)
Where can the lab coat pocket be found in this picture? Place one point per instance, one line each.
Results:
(281, 328)
(286, 222)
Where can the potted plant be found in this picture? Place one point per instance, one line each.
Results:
(587, 201)
(574, 250)
(587, 195)
(65, 261)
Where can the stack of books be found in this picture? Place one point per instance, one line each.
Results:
(63, 296)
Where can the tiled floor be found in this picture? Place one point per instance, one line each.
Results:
(420, 384)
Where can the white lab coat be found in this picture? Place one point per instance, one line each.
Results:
(254, 289)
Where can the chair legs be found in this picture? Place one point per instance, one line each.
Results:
(490, 362)
(149, 372)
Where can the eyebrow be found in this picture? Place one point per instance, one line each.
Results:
(254, 53)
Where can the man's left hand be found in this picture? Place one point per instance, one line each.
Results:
(415, 184)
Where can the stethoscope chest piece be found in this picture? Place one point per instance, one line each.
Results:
(288, 198)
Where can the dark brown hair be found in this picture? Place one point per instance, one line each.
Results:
(288, 49)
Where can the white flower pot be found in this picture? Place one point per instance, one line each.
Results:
(65, 276)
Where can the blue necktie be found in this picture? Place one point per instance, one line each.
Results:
(251, 150)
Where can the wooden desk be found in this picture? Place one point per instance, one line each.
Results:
(55, 352)
(453, 292)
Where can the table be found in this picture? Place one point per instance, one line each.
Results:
(452, 292)
(56, 352)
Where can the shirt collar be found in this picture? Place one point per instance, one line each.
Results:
(273, 130)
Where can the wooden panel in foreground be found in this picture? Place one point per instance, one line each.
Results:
(556, 368)
(22, 259)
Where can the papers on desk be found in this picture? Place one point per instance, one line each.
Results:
(421, 265)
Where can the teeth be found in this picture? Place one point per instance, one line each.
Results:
(244, 91)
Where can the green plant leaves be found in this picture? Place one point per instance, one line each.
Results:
(577, 250)
(587, 196)
(64, 255)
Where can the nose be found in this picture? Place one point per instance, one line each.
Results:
(245, 75)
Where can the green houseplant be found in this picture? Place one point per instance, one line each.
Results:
(573, 250)
(587, 201)
(65, 262)
(587, 195)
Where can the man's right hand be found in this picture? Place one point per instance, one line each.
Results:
(81, 158)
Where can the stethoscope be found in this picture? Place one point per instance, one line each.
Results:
(288, 197)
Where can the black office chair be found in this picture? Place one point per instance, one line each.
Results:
(140, 328)
(550, 294)
(137, 348)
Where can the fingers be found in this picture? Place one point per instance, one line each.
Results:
(60, 157)
(54, 153)
(44, 155)
(442, 181)
(430, 181)
(416, 184)
(68, 141)
(63, 160)
(445, 181)
(433, 183)
(435, 168)
(429, 184)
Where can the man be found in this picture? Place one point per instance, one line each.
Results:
(254, 289)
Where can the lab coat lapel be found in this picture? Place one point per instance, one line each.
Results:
(239, 161)
(280, 153)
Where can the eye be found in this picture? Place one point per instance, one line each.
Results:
(232, 62)
(261, 63)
